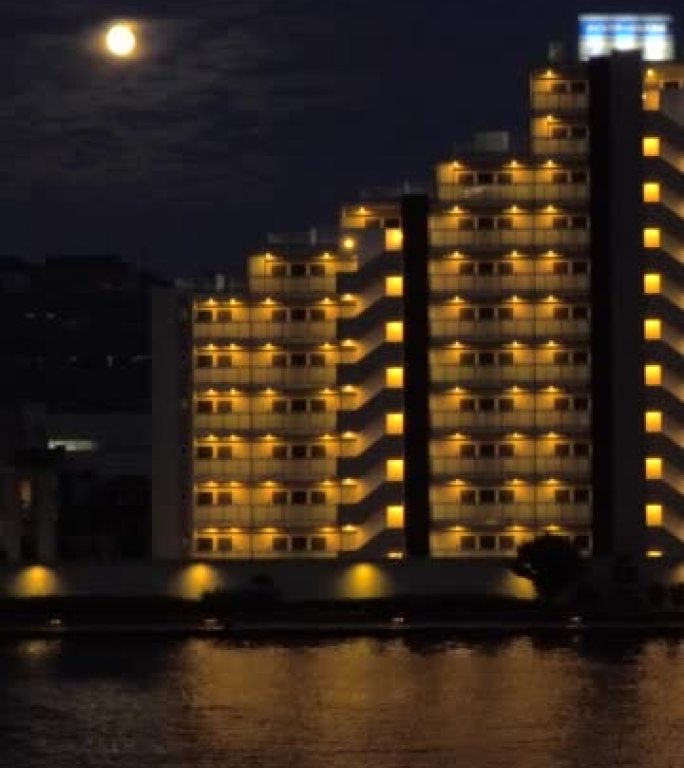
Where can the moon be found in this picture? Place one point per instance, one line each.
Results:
(121, 40)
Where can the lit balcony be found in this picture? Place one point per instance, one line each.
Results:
(259, 516)
(477, 375)
(527, 514)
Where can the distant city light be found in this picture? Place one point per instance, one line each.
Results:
(601, 34)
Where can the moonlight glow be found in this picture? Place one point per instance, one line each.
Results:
(121, 40)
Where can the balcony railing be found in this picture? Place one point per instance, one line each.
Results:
(566, 102)
(528, 465)
(443, 281)
(509, 374)
(485, 329)
(257, 469)
(507, 238)
(492, 421)
(259, 516)
(309, 331)
(546, 147)
(520, 513)
(294, 286)
(281, 377)
(295, 423)
(513, 193)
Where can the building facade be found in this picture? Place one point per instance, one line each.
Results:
(454, 373)
(77, 340)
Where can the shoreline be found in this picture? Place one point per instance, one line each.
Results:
(215, 628)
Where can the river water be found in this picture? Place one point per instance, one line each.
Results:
(357, 703)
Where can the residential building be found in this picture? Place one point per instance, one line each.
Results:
(458, 371)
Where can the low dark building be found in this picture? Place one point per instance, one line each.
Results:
(76, 339)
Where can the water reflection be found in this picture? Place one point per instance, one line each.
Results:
(360, 702)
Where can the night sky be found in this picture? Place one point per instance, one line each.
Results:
(244, 116)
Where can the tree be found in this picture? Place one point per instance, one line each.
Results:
(552, 563)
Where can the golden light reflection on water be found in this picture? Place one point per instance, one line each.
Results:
(406, 703)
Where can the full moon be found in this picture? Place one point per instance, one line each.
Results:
(121, 40)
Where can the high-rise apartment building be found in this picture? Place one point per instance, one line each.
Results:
(456, 372)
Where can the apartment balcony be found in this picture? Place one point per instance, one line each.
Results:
(490, 330)
(508, 238)
(293, 286)
(521, 513)
(260, 516)
(264, 469)
(559, 102)
(547, 147)
(526, 193)
(268, 331)
(445, 282)
(511, 467)
(282, 378)
(507, 375)
(305, 423)
(496, 421)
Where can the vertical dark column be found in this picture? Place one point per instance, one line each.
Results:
(414, 217)
(617, 304)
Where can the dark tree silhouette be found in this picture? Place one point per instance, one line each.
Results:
(552, 563)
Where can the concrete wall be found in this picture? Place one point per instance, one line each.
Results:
(294, 580)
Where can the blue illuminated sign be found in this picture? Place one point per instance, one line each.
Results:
(601, 34)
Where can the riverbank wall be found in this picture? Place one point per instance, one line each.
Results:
(295, 580)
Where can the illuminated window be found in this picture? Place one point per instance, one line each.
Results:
(348, 243)
(393, 239)
(652, 283)
(653, 421)
(653, 375)
(651, 192)
(654, 515)
(394, 331)
(654, 553)
(652, 329)
(654, 468)
(395, 516)
(394, 423)
(394, 285)
(395, 470)
(651, 146)
(394, 378)
(651, 237)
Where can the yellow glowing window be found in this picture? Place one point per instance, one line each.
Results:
(394, 378)
(651, 192)
(394, 331)
(653, 375)
(395, 470)
(652, 283)
(348, 243)
(395, 516)
(654, 515)
(654, 553)
(654, 468)
(653, 421)
(651, 237)
(394, 423)
(394, 285)
(651, 146)
(651, 100)
(393, 239)
(652, 329)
